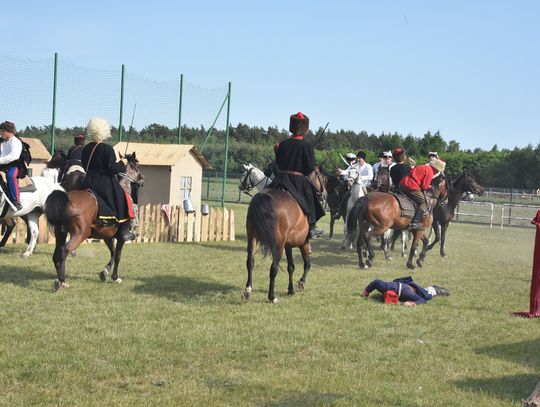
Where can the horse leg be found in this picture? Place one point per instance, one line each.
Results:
(32, 220)
(59, 259)
(376, 231)
(423, 253)
(416, 238)
(110, 245)
(305, 249)
(273, 273)
(332, 221)
(435, 227)
(444, 228)
(385, 239)
(290, 269)
(250, 263)
(117, 256)
(404, 237)
(9, 228)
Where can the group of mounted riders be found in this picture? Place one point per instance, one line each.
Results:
(96, 159)
(295, 160)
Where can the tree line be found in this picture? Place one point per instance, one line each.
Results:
(505, 168)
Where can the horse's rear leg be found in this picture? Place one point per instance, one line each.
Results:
(422, 256)
(444, 228)
(59, 259)
(250, 263)
(437, 232)
(290, 269)
(305, 250)
(108, 267)
(332, 221)
(273, 273)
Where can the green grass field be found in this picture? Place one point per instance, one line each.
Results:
(177, 333)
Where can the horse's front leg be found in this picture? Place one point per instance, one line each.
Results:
(32, 220)
(416, 238)
(444, 228)
(305, 250)
(290, 269)
(435, 227)
(423, 253)
(250, 263)
(59, 258)
(10, 225)
(117, 255)
(108, 267)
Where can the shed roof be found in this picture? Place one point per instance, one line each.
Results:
(37, 148)
(161, 154)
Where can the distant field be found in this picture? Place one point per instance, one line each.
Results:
(176, 332)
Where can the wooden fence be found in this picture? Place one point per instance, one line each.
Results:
(160, 223)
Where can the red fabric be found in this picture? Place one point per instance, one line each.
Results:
(298, 137)
(419, 178)
(391, 297)
(300, 115)
(131, 212)
(534, 302)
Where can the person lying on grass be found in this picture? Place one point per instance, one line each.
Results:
(404, 289)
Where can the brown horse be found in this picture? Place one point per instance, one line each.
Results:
(277, 222)
(377, 212)
(76, 213)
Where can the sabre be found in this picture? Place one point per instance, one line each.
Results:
(130, 128)
(318, 138)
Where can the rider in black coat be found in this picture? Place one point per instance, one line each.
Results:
(295, 160)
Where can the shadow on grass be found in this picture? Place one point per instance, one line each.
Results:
(22, 276)
(524, 353)
(180, 289)
(513, 388)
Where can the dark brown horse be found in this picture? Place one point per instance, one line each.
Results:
(76, 213)
(278, 224)
(444, 210)
(338, 194)
(375, 213)
(72, 175)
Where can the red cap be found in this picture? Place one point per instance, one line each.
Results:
(391, 297)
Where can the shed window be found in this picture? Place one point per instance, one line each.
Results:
(185, 187)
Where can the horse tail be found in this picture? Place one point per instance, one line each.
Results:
(55, 208)
(262, 217)
(354, 218)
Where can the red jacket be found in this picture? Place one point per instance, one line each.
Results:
(419, 178)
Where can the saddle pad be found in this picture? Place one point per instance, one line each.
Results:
(407, 205)
(26, 184)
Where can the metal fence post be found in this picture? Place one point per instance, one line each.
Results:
(180, 109)
(120, 128)
(226, 147)
(53, 124)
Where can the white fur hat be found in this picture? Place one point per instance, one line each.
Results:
(439, 165)
(98, 129)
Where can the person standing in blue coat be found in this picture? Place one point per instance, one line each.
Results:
(404, 289)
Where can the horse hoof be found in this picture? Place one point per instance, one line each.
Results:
(300, 285)
(117, 280)
(103, 275)
(363, 266)
(246, 296)
(57, 285)
(74, 253)
(273, 301)
(369, 263)
(26, 255)
(419, 263)
(411, 266)
(290, 293)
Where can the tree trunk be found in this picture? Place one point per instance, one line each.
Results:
(534, 398)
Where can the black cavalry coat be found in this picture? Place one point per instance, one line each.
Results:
(296, 155)
(101, 179)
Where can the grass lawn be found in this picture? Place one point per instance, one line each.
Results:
(176, 332)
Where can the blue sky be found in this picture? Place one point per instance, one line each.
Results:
(469, 69)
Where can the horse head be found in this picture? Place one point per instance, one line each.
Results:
(133, 172)
(353, 177)
(471, 185)
(382, 181)
(58, 160)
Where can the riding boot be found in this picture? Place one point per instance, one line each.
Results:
(417, 220)
(124, 229)
(314, 231)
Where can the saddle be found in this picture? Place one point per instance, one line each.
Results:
(407, 205)
(26, 184)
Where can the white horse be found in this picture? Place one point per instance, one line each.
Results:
(51, 173)
(357, 188)
(252, 177)
(33, 204)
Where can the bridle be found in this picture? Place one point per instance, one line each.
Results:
(246, 185)
(124, 175)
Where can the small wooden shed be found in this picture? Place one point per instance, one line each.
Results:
(39, 156)
(172, 172)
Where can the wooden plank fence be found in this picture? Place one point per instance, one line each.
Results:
(160, 223)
